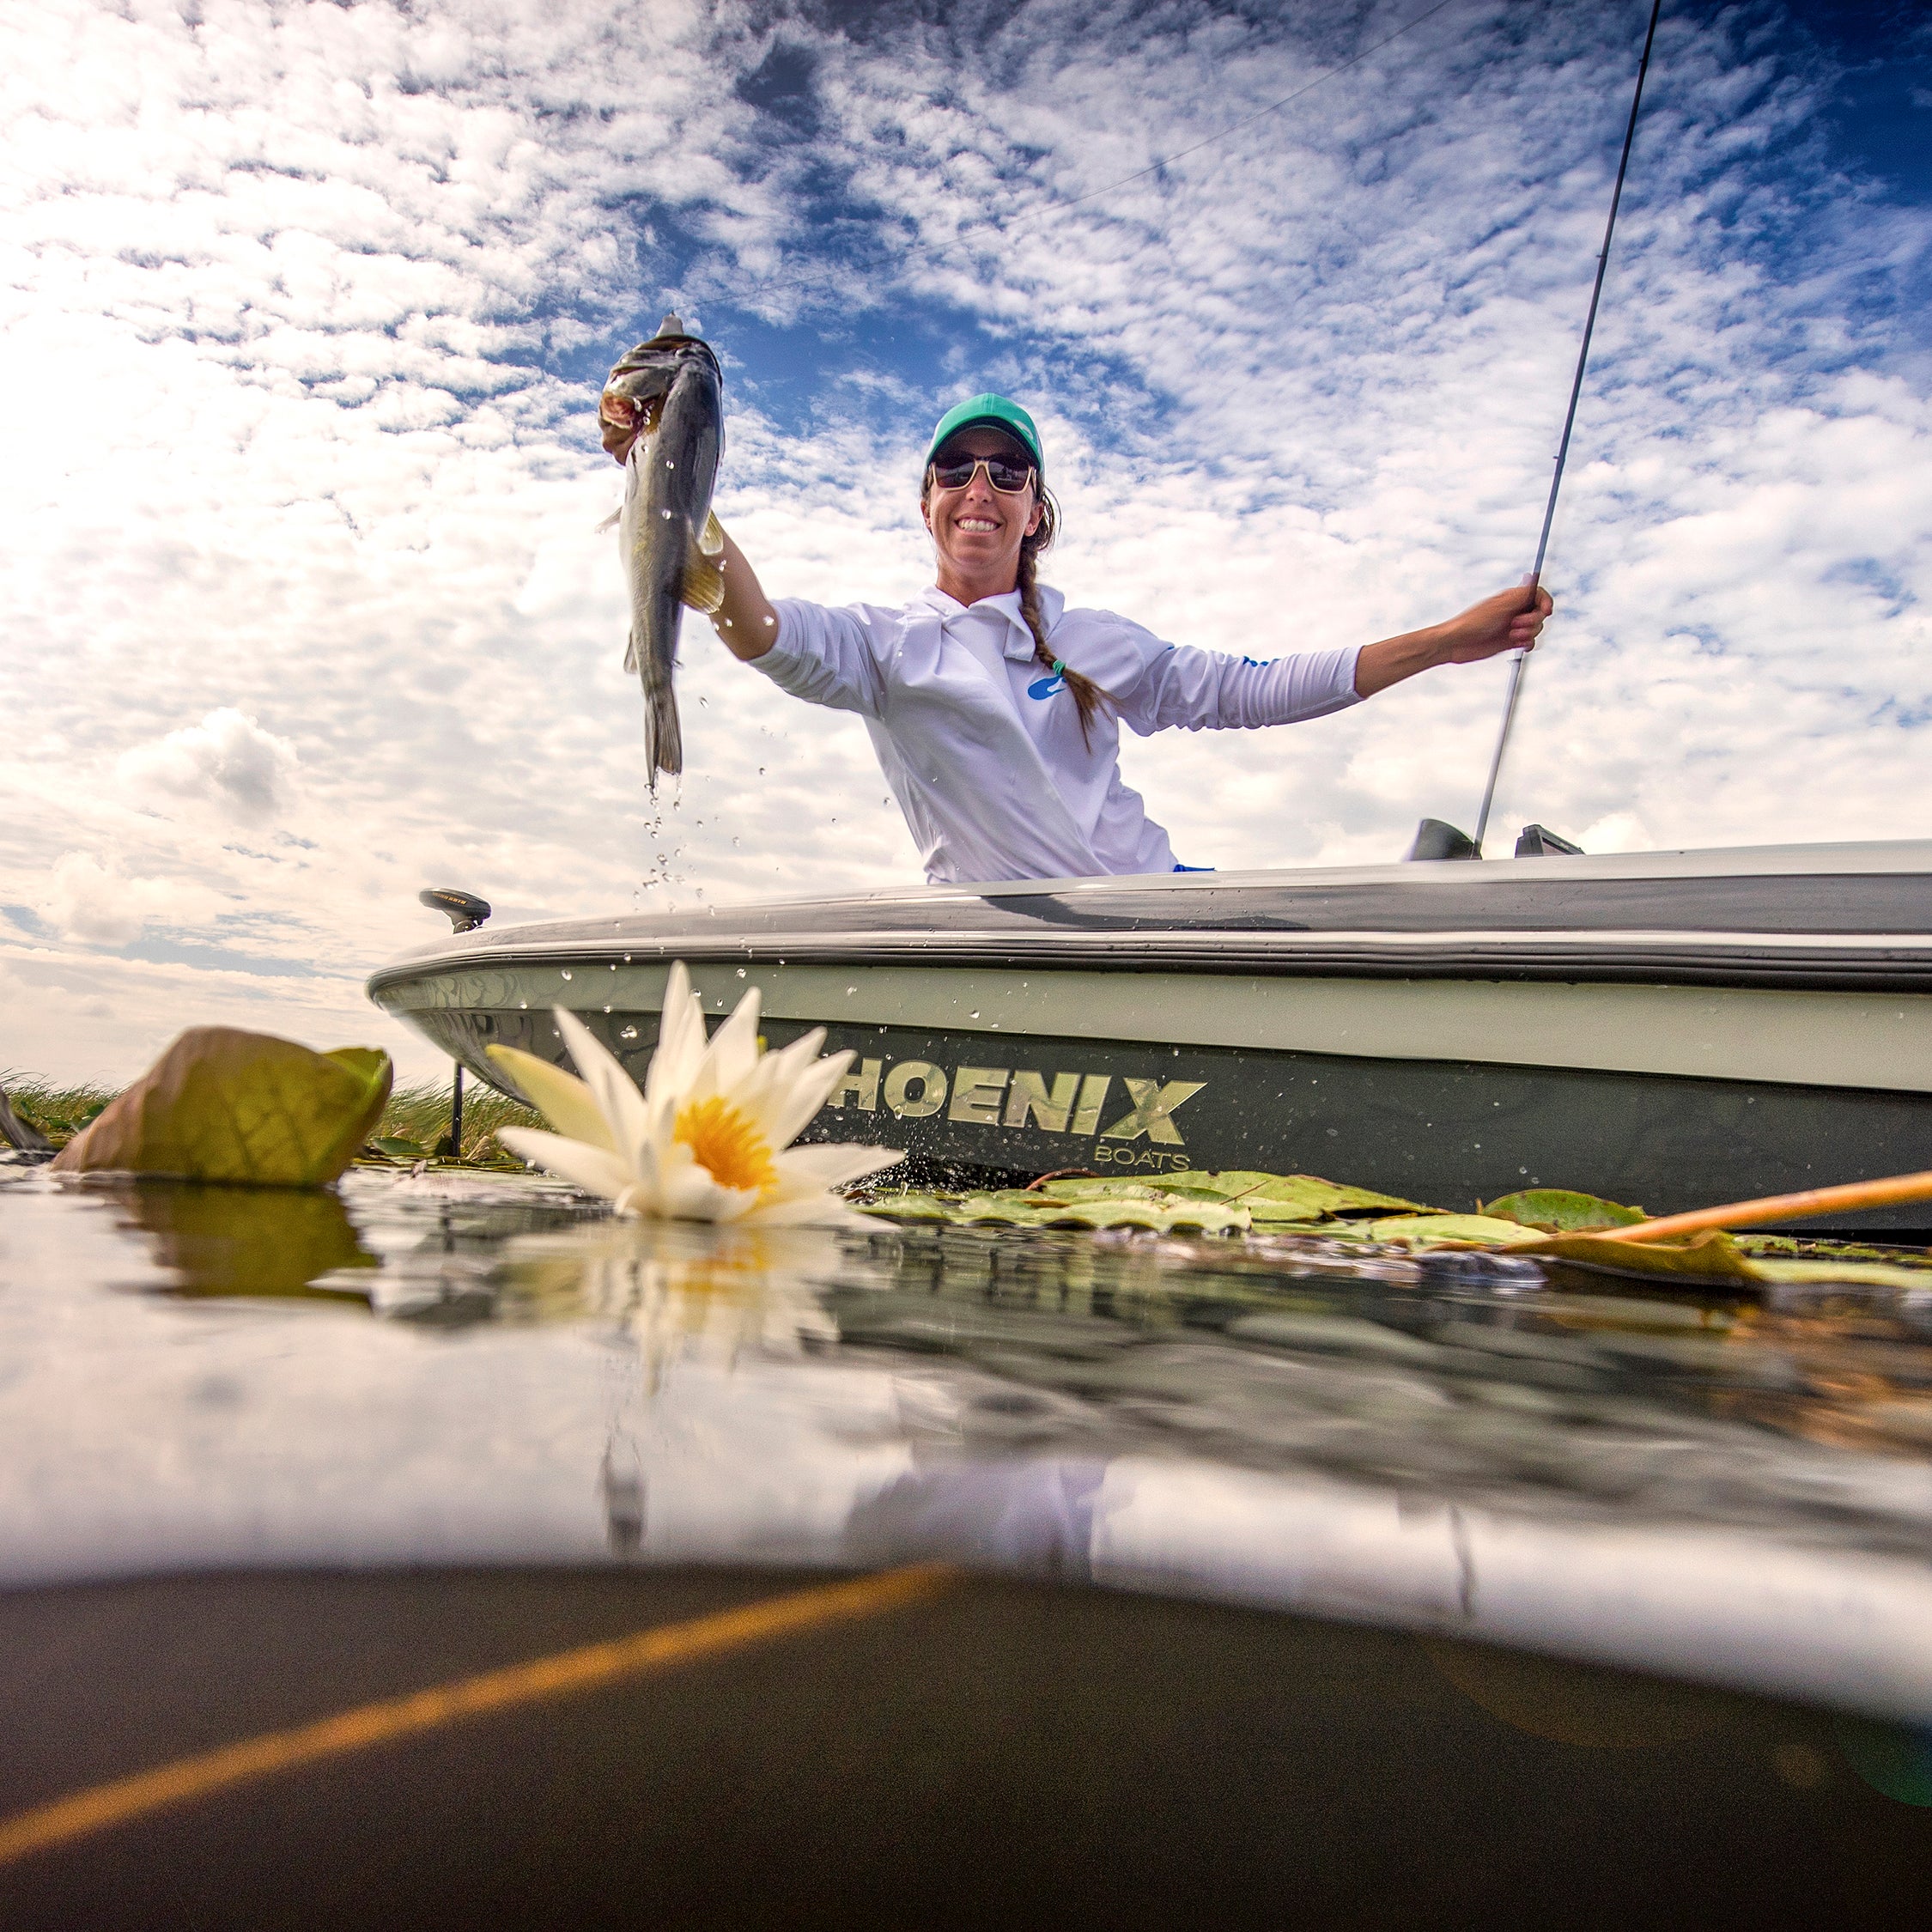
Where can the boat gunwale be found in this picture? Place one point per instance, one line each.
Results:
(1870, 963)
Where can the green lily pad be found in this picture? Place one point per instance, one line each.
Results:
(398, 1149)
(1128, 1204)
(1310, 1197)
(1863, 1274)
(1269, 1199)
(1710, 1256)
(1427, 1231)
(1559, 1210)
(224, 1105)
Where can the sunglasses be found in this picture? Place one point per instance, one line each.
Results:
(1009, 475)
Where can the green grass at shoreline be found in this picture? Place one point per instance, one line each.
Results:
(417, 1114)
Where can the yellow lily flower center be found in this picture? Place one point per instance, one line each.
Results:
(727, 1143)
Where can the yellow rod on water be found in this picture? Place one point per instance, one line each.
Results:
(1852, 1195)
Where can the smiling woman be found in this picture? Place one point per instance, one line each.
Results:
(995, 710)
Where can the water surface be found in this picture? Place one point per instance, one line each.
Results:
(463, 1370)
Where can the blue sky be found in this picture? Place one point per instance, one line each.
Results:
(308, 604)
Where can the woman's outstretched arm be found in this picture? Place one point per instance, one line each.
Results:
(1509, 621)
(745, 621)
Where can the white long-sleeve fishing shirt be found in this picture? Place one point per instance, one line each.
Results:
(981, 745)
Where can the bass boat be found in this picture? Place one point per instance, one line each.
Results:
(1667, 1029)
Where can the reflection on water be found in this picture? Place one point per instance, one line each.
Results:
(246, 1240)
(1729, 1489)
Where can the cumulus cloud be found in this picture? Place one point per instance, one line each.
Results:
(344, 280)
(227, 762)
(84, 899)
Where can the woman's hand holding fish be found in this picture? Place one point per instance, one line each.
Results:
(1509, 621)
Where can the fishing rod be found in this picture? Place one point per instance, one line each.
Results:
(1517, 669)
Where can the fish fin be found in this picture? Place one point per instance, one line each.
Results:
(664, 738)
(612, 521)
(630, 650)
(712, 539)
(704, 583)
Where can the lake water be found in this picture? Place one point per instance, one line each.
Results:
(458, 1375)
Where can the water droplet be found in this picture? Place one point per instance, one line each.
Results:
(666, 514)
(741, 972)
(975, 1014)
(525, 1004)
(850, 990)
(761, 771)
(566, 972)
(607, 1006)
(706, 702)
(627, 1032)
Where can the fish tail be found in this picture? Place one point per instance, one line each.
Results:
(664, 738)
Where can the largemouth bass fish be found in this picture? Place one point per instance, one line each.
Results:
(666, 399)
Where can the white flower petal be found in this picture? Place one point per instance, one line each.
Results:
(734, 1047)
(614, 1090)
(680, 1050)
(562, 1098)
(831, 1165)
(813, 1210)
(594, 1169)
(781, 1097)
(793, 1112)
(693, 1196)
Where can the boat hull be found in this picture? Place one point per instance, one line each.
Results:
(1662, 1096)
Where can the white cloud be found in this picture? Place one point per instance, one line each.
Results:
(83, 899)
(227, 762)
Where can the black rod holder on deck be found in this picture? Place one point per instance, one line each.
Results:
(465, 913)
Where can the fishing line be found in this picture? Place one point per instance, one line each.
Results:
(988, 230)
(1517, 669)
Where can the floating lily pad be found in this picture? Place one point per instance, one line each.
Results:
(1550, 1225)
(1310, 1197)
(1098, 1188)
(1711, 1255)
(398, 1149)
(1268, 1198)
(1126, 1205)
(1427, 1231)
(1558, 1210)
(1863, 1274)
(222, 1104)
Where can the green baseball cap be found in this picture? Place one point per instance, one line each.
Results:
(993, 412)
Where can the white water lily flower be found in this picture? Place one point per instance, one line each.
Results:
(709, 1138)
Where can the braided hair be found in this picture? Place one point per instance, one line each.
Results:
(1088, 697)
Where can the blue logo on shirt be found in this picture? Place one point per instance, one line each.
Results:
(1045, 687)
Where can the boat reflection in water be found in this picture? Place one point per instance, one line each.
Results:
(1448, 1597)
